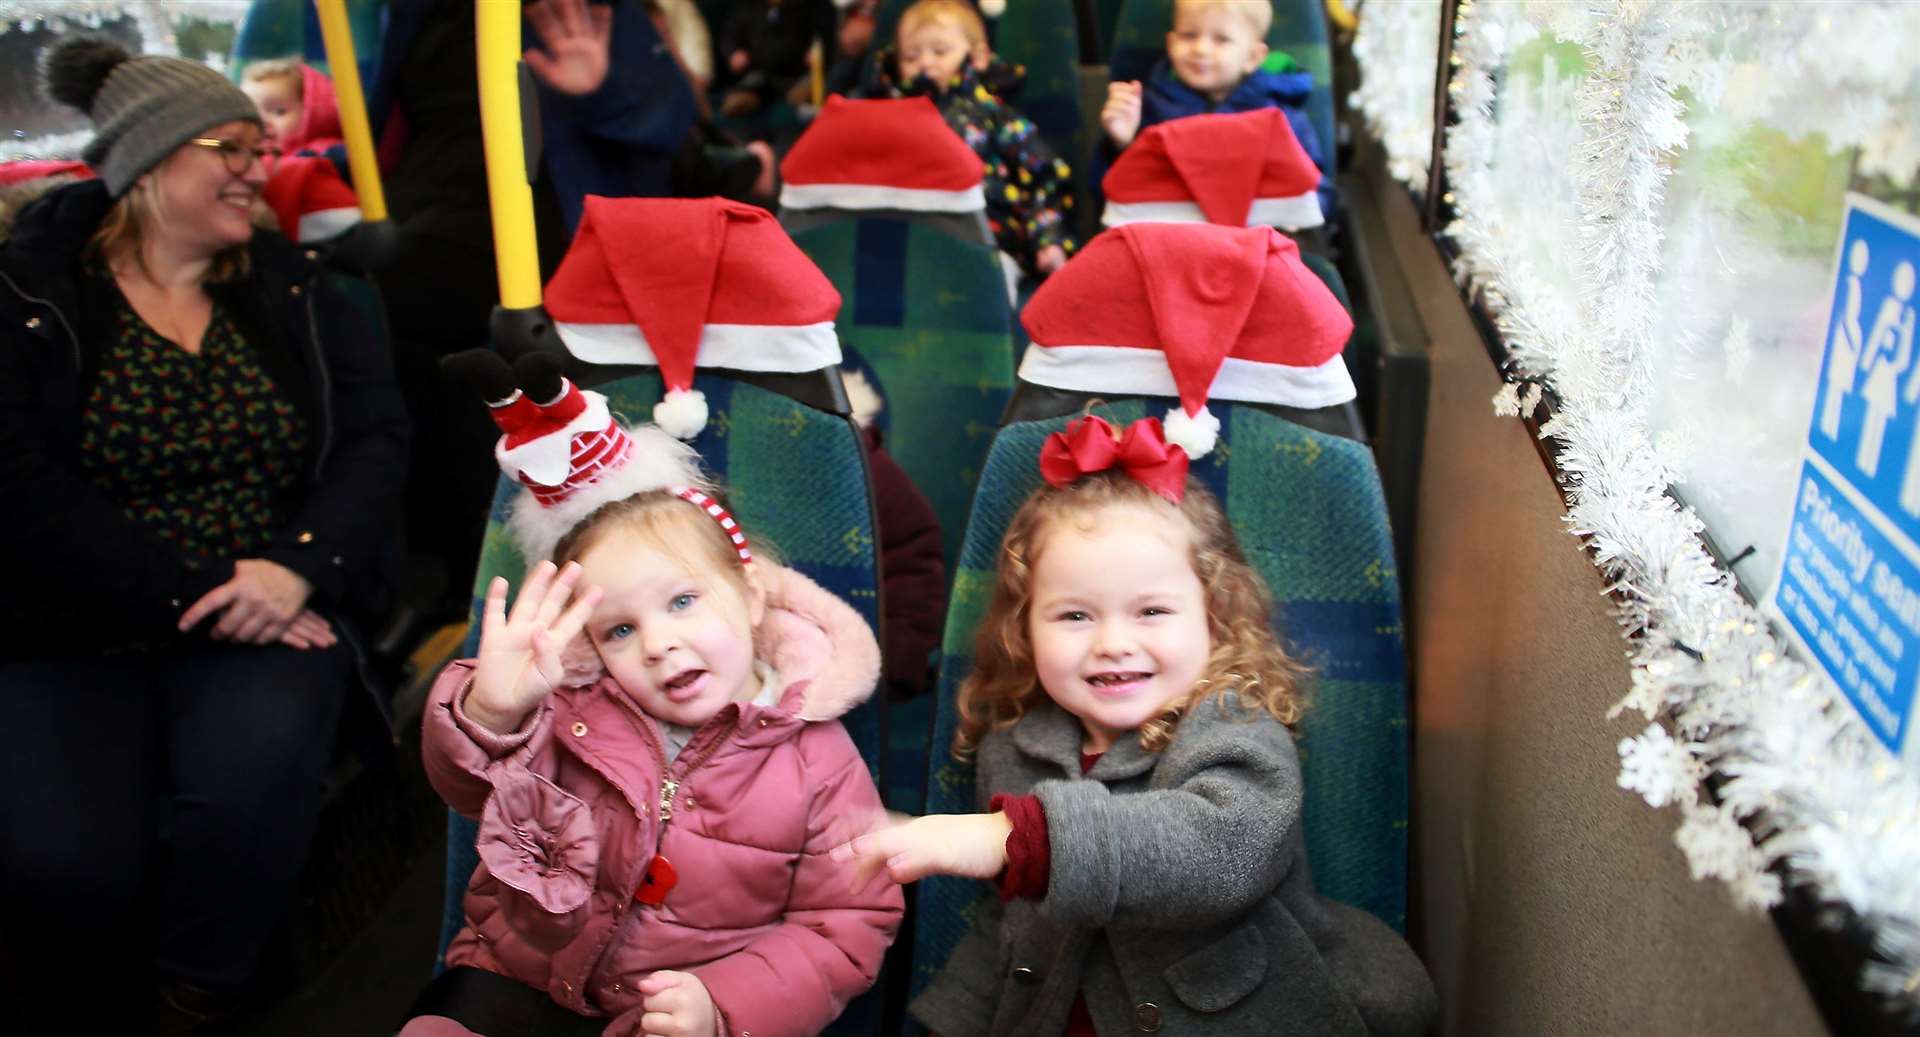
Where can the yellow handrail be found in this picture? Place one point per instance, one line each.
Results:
(497, 27)
(338, 37)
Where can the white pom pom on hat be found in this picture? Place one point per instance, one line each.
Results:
(1195, 311)
(674, 283)
(993, 8)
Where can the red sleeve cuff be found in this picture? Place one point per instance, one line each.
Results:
(1028, 853)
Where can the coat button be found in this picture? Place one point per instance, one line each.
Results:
(305, 537)
(1025, 974)
(1146, 1017)
(33, 323)
(295, 289)
(763, 721)
(579, 729)
(566, 988)
(337, 560)
(175, 602)
(313, 254)
(616, 988)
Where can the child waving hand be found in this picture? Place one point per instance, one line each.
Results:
(1141, 791)
(650, 741)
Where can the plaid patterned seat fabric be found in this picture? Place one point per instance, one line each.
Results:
(1309, 513)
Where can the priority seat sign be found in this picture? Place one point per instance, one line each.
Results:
(1848, 590)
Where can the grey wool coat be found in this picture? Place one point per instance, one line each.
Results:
(1178, 898)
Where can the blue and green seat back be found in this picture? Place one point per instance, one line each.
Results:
(1308, 509)
(1329, 275)
(291, 28)
(796, 478)
(927, 315)
(1299, 30)
(1044, 39)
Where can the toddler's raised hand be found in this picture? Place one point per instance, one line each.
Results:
(676, 1004)
(519, 660)
(972, 846)
(1120, 116)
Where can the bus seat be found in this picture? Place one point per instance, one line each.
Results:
(1308, 509)
(819, 516)
(928, 316)
(1044, 40)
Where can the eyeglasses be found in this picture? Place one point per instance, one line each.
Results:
(240, 157)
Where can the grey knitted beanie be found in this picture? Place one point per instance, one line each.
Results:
(142, 107)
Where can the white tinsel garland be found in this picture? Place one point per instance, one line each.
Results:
(1395, 44)
(1795, 765)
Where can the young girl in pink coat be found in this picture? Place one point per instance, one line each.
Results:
(650, 741)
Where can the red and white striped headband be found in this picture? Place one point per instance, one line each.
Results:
(718, 514)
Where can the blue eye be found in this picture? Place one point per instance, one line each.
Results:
(680, 602)
(618, 631)
(1073, 616)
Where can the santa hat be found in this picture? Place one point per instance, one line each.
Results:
(671, 283)
(565, 446)
(310, 199)
(19, 171)
(882, 154)
(1191, 310)
(1246, 169)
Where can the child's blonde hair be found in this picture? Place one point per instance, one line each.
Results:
(681, 528)
(1245, 659)
(1257, 13)
(277, 68)
(957, 13)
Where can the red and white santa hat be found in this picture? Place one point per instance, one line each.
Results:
(1192, 310)
(881, 154)
(674, 283)
(566, 447)
(1243, 170)
(310, 199)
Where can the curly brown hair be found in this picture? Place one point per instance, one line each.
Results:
(1245, 659)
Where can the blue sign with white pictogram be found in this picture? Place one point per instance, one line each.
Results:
(1849, 583)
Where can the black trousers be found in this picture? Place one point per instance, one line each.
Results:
(155, 812)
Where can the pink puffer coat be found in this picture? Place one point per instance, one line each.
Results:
(573, 805)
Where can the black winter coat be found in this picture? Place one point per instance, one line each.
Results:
(80, 575)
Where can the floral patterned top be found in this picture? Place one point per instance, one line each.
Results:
(202, 449)
(1029, 189)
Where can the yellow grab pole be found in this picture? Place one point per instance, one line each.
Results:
(497, 26)
(334, 31)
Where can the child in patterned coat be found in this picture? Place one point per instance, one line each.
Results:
(940, 51)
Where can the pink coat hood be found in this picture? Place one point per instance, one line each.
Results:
(576, 803)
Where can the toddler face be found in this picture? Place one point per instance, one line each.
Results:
(680, 643)
(280, 106)
(1114, 643)
(1212, 48)
(935, 49)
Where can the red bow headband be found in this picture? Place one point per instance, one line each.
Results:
(1091, 444)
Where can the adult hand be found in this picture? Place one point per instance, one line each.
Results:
(1051, 258)
(519, 661)
(1120, 116)
(309, 629)
(576, 38)
(972, 846)
(255, 605)
(677, 1004)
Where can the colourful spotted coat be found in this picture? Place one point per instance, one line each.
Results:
(1029, 189)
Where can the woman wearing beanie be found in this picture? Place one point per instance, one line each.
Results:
(201, 453)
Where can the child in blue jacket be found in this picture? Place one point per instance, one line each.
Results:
(1217, 62)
